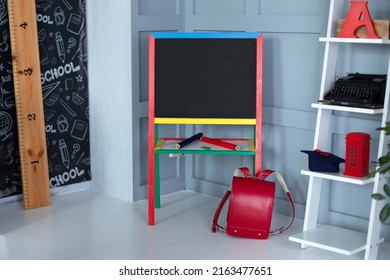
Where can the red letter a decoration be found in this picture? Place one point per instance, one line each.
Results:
(358, 15)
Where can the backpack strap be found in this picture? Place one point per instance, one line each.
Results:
(244, 171)
(262, 176)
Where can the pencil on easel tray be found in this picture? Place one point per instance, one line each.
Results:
(220, 143)
(187, 141)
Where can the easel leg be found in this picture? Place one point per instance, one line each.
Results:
(151, 179)
(157, 200)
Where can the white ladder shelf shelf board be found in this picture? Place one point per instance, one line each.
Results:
(328, 237)
(354, 40)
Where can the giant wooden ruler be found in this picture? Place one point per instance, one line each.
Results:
(29, 103)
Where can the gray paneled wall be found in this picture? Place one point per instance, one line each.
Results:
(292, 65)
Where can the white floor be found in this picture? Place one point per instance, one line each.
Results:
(88, 225)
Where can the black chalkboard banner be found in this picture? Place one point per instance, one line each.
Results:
(62, 40)
(206, 77)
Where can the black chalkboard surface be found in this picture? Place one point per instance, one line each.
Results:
(206, 75)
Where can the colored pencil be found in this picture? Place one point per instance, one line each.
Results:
(220, 143)
(189, 140)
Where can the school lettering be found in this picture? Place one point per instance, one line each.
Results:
(55, 73)
(63, 178)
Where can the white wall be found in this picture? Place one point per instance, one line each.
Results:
(109, 52)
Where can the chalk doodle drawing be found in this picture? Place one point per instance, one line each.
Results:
(3, 12)
(5, 125)
(62, 40)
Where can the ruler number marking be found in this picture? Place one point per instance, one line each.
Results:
(32, 117)
(24, 25)
(27, 72)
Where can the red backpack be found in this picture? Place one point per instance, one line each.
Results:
(251, 205)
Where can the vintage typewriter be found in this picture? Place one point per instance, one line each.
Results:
(358, 90)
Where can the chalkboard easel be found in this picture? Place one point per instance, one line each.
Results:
(203, 78)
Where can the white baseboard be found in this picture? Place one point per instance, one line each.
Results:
(54, 192)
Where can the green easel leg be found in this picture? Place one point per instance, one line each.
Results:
(157, 203)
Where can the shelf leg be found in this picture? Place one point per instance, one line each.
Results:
(374, 225)
(312, 206)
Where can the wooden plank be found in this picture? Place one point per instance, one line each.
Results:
(382, 28)
(29, 103)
